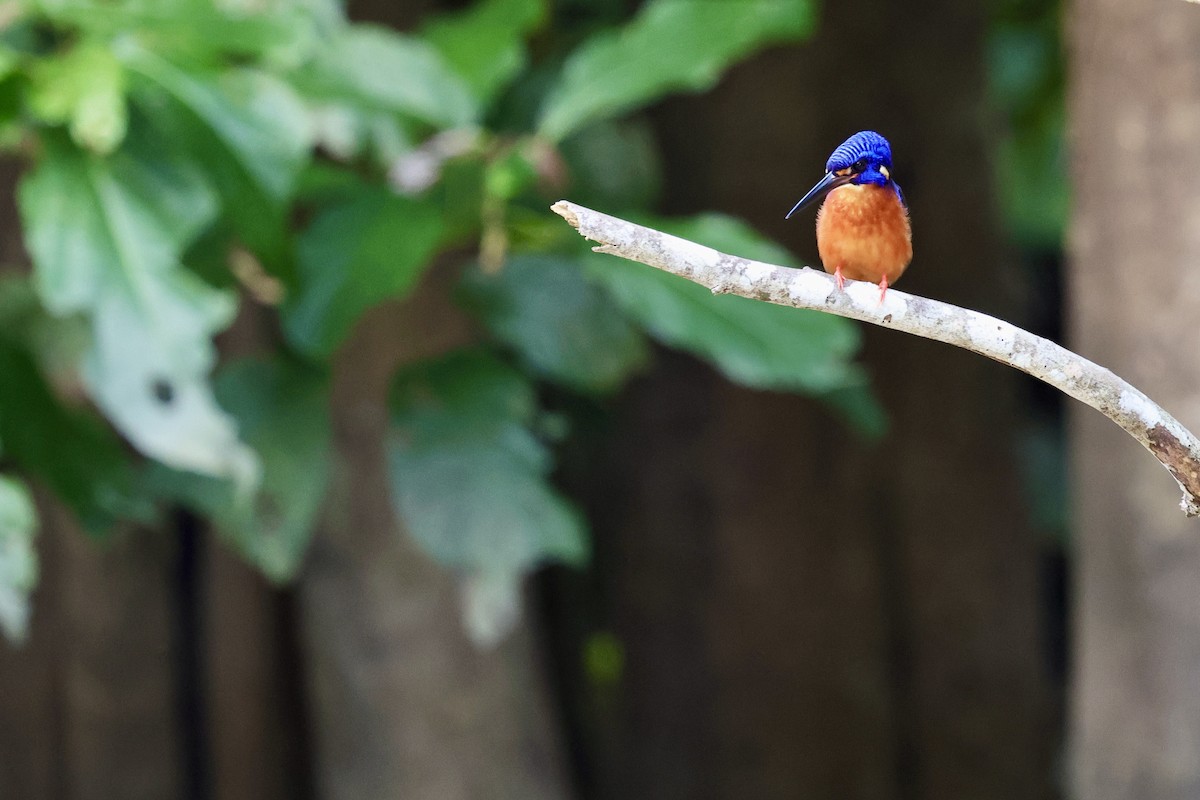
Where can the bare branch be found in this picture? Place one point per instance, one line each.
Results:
(1142, 418)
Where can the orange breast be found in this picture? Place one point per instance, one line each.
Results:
(865, 231)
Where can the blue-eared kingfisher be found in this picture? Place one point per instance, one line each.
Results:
(863, 232)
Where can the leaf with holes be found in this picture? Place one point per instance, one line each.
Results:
(106, 236)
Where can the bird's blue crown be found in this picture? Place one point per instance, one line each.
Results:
(865, 145)
(863, 154)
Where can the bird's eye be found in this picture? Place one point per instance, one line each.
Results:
(859, 166)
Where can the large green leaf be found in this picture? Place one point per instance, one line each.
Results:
(376, 68)
(486, 43)
(671, 45)
(469, 483)
(246, 129)
(18, 559)
(754, 343)
(106, 235)
(562, 325)
(282, 411)
(469, 479)
(355, 254)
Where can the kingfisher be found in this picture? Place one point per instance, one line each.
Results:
(863, 232)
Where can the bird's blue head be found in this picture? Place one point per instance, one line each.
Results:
(864, 158)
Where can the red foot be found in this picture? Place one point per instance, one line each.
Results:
(883, 287)
(837, 276)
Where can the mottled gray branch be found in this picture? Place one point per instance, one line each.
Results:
(1141, 417)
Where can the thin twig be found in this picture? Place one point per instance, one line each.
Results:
(1141, 417)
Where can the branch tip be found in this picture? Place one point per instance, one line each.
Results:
(563, 209)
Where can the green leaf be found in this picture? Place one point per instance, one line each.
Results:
(11, 59)
(510, 175)
(859, 408)
(18, 559)
(57, 344)
(1026, 75)
(355, 254)
(248, 130)
(375, 67)
(254, 117)
(80, 459)
(196, 30)
(754, 343)
(106, 236)
(485, 44)
(614, 165)
(670, 46)
(562, 325)
(1031, 168)
(84, 87)
(282, 411)
(469, 478)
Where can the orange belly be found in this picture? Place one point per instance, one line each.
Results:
(865, 231)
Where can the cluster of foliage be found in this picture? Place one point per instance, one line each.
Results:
(185, 156)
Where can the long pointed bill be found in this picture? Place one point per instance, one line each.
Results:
(826, 185)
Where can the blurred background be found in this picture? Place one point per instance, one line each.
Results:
(334, 465)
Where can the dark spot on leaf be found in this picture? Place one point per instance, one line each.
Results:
(163, 391)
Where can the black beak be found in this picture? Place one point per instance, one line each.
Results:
(826, 185)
